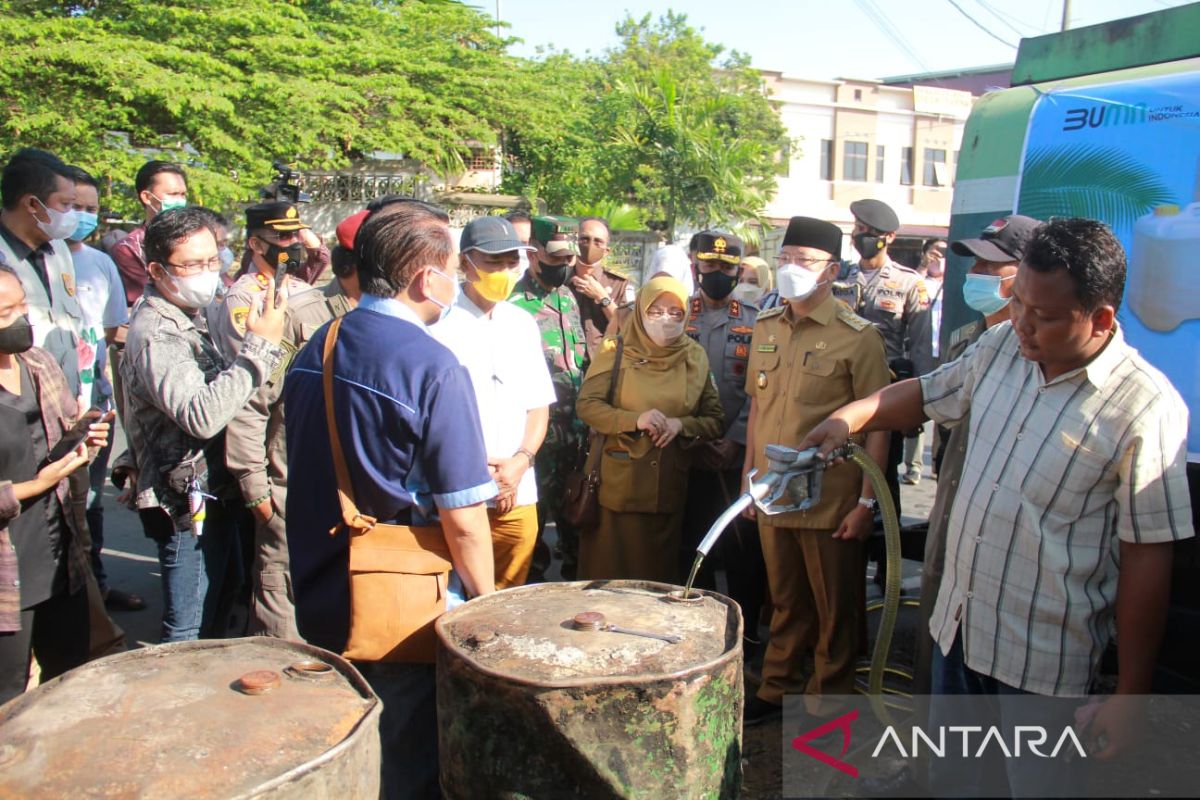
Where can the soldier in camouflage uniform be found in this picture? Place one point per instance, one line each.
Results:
(255, 449)
(541, 292)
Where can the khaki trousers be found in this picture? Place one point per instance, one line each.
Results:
(818, 592)
(273, 606)
(513, 537)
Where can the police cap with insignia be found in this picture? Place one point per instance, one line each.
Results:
(815, 233)
(278, 216)
(1002, 241)
(875, 214)
(718, 246)
(556, 234)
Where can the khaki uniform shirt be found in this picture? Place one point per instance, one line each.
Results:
(591, 313)
(724, 333)
(891, 298)
(255, 449)
(800, 371)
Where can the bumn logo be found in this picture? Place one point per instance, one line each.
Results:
(842, 723)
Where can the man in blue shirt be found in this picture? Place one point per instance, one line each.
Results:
(409, 426)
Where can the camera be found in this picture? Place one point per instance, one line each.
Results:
(285, 185)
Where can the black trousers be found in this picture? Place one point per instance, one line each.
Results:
(55, 632)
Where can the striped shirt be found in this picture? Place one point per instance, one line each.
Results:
(1057, 474)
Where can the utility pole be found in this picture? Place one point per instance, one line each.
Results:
(498, 19)
(1066, 19)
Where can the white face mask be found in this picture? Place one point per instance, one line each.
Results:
(523, 263)
(226, 256)
(195, 291)
(62, 223)
(748, 292)
(796, 282)
(664, 330)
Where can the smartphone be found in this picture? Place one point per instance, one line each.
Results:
(72, 438)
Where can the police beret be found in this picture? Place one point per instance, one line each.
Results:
(279, 216)
(817, 233)
(718, 246)
(876, 214)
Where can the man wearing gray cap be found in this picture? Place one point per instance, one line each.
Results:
(501, 347)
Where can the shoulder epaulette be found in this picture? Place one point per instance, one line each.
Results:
(850, 318)
(771, 312)
(903, 268)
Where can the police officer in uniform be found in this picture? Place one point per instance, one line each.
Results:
(811, 354)
(891, 297)
(723, 327)
(255, 449)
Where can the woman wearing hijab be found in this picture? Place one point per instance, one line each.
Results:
(665, 400)
(754, 281)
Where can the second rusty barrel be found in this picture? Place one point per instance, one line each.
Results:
(576, 690)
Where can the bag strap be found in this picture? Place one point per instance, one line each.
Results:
(351, 517)
(616, 370)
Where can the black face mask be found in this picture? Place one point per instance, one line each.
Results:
(17, 337)
(285, 259)
(553, 275)
(717, 285)
(868, 244)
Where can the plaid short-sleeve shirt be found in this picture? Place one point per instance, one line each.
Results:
(1057, 474)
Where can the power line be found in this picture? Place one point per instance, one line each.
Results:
(1004, 20)
(980, 25)
(889, 29)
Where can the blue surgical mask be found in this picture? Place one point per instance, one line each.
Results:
(453, 298)
(982, 293)
(87, 223)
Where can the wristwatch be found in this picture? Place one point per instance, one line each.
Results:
(869, 503)
(606, 302)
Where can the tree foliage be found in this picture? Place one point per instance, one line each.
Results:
(665, 124)
(225, 86)
(665, 121)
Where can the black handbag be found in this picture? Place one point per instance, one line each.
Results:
(581, 492)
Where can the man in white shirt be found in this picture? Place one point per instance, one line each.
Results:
(101, 298)
(501, 348)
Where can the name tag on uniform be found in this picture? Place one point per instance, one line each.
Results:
(767, 348)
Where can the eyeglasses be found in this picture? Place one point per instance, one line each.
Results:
(193, 267)
(658, 313)
(783, 259)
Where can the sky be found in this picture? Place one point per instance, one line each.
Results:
(822, 38)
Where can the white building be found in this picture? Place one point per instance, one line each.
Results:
(853, 139)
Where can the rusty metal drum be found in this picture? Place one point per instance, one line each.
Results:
(596, 689)
(234, 718)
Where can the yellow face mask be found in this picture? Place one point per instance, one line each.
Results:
(494, 286)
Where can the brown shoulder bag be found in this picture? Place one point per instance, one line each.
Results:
(581, 490)
(398, 574)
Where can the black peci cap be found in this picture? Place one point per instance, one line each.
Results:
(817, 233)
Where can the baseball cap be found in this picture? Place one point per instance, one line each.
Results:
(491, 235)
(1002, 241)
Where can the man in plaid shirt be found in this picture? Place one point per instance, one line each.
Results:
(1072, 495)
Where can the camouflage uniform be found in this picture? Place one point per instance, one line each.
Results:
(563, 342)
(255, 449)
